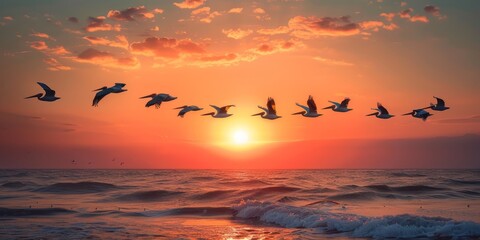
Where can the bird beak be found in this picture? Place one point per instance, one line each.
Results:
(180, 107)
(148, 96)
(34, 96)
(257, 114)
(98, 89)
(329, 107)
(371, 114)
(302, 112)
(206, 114)
(407, 114)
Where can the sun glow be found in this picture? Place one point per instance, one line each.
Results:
(240, 137)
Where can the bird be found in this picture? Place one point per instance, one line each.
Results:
(49, 95)
(157, 99)
(440, 106)
(340, 107)
(186, 109)
(310, 111)
(382, 112)
(104, 91)
(221, 112)
(419, 113)
(270, 112)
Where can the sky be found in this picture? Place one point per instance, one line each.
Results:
(399, 53)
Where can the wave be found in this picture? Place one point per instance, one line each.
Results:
(16, 184)
(354, 196)
(404, 189)
(26, 212)
(147, 196)
(77, 188)
(464, 182)
(245, 182)
(400, 226)
(270, 190)
(403, 174)
(213, 194)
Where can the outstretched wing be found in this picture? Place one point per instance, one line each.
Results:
(47, 89)
(311, 104)
(440, 102)
(224, 109)
(345, 102)
(382, 109)
(99, 96)
(120, 85)
(272, 109)
(304, 107)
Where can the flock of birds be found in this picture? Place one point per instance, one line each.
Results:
(269, 112)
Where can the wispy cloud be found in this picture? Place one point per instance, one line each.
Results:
(189, 4)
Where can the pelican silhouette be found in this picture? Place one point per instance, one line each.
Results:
(419, 113)
(440, 106)
(104, 91)
(310, 111)
(49, 95)
(186, 109)
(270, 112)
(382, 112)
(221, 112)
(340, 107)
(157, 99)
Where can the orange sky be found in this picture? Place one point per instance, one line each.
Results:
(231, 52)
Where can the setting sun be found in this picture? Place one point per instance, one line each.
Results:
(240, 137)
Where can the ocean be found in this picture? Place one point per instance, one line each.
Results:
(239, 204)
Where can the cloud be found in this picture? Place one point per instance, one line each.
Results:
(333, 62)
(190, 4)
(155, 29)
(403, 4)
(131, 13)
(310, 27)
(274, 31)
(391, 27)
(371, 25)
(388, 16)
(106, 59)
(54, 65)
(73, 19)
(418, 18)
(237, 33)
(215, 58)
(271, 47)
(166, 47)
(8, 18)
(60, 50)
(39, 45)
(42, 35)
(204, 14)
(434, 10)
(98, 24)
(235, 10)
(259, 11)
(121, 41)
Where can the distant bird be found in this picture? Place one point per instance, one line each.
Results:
(440, 106)
(121, 164)
(270, 112)
(310, 111)
(419, 113)
(382, 112)
(186, 109)
(104, 91)
(49, 94)
(221, 112)
(157, 99)
(73, 162)
(340, 107)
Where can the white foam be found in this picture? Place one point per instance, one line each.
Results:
(403, 226)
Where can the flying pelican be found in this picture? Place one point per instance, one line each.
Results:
(157, 99)
(310, 111)
(382, 112)
(104, 91)
(221, 112)
(270, 112)
(49, 94)
(186, 109)
(440, 106)
(340, 107)
(419, 113)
